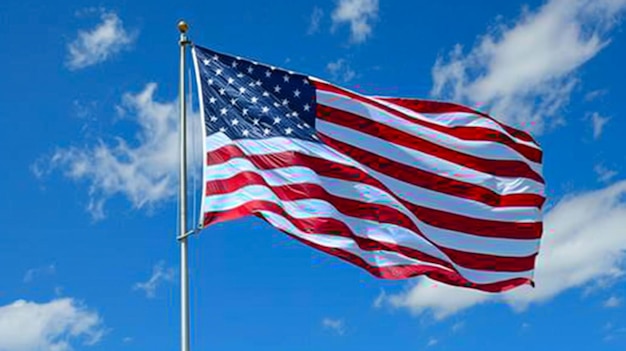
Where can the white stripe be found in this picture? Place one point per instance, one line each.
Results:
(429, 163)
(483, 149)
(457, 119)
(367, 194)
(386, 258)
(281, 144)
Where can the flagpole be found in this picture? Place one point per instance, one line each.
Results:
(184, 277)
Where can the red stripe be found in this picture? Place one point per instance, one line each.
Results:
(437, 107)
(390, 272)
(502, 168)
(444, 220)
(373, 212)
(401, 172)
(461, 132)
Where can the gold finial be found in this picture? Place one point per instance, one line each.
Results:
(182, 26)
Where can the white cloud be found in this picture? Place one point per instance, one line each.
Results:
(33, 272)
(341, 71)
(336, 325)
(144, 168)
(613, 302)
(584, 243)
(604, 174)
(96, 45)
(160, 274)
(599, 123)
(314, 22)
(359, 14)
(52, 326)
(525, 72)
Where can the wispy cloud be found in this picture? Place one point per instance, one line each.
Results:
(457, 327)
(34, 272)
(359, 14)
(613, 302)
(55, 325)
(98, 44)
(144, 169)
(336, 325)
(605, 175)
(525, 72)
(315, 19)
(432, 342)
(571, 257)
(341, 71)
(595, 94)
(160, 274)
(598, 123)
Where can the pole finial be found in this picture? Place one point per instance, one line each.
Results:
(182, 26)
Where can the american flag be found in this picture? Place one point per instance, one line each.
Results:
(400, 187)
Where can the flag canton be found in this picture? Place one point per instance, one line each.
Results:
(249, 100)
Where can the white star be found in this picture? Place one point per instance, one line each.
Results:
(250, 69)
(306, 125)
(233, 101)
(266, 131)
(245, 133)
(223, 111)
(277, 89)
(254, 99)
(213, 118)
(239, 75)
(285, 102)
(307, 107)
(256, 121)
(218, 71)
(234, 122)
(299, 126)
(305, 81)
(276, 120)
(294, 113)
(230, 80)
(212, 100)
(266, 94)
(242, 90)
(265, 109)
(244, 112)
(216, 58)
(286, 78)
(258, 83)
(206, 62)
(251, 84)
(272, 68)
(222, 129)
(210, 81)
(234, 64)
(288, 131)
(276, 104)
(222, 91)
(296, 93)
(268, 74)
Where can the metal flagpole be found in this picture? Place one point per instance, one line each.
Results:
(184, 278)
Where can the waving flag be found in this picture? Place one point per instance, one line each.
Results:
(400, 187)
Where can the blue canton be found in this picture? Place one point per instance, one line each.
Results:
(248, 100)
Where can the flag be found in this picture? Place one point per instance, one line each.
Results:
(399, 187)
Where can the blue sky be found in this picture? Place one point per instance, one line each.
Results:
(89, 257)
